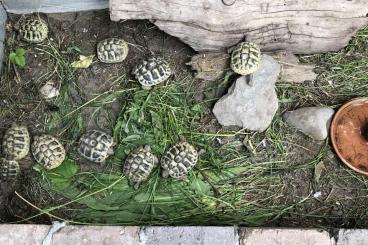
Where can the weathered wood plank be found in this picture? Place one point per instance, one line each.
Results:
(307, 26)
(52, 6)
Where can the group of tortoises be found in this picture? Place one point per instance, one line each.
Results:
(96, 145)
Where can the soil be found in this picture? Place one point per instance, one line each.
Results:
(82, 31)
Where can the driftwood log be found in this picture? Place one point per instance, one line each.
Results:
(300, 26)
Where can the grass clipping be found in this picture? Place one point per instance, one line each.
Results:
(209, 196)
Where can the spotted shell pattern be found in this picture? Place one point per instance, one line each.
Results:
(33, 30)
(96, 146)
(9, 170)
(152, 71)
(245, 58)
(16, 142)
(139, 164)
(48, 151)
(112, 50)
(179, 159)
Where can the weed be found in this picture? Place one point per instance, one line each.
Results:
(17, 57)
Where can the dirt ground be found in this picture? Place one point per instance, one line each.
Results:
(336, 199)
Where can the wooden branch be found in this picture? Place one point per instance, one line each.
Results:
(307, 26)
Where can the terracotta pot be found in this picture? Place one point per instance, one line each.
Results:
(349, 134)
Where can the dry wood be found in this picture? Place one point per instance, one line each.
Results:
(300, 26)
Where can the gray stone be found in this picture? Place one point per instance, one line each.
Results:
(251, 107)
(352, 237)
(3, 17)
(189, 235)
(312, 121)
(254, 236)
(53, 6)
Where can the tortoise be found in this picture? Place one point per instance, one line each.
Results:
(16, 142)
(9, 170)
(138, 165)
(178, 160)
(48, 151)
(96, 146)
(112, 50)
(33, 30)
(245, 58)
(152, 71)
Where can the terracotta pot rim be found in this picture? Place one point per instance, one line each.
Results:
(333, 131)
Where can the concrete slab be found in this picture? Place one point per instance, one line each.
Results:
(189, 235)
(23, 234)
(53, 6)
(255, 236)
(352, 237)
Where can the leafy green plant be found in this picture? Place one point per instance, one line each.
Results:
(17, 57)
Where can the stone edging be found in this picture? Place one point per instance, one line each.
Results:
(185, 235)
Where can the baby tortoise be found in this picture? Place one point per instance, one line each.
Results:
(9, 170)
(33, 30)
(16, 142)
(245, 59)
(48, 151)
(96, 146)
(112, 50)
(152, 71)
(178, 160)
(138, 165)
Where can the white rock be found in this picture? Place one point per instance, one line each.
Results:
(251, 107)
(312, 121)
(49, 90)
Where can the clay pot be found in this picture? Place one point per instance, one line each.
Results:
(349, 134)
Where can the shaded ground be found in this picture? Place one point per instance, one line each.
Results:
(244, 178)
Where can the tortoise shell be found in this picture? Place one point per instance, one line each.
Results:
(245, 58)
(16, 142)
(138, 165)
(48, 151)
(33, 30)
(9, 170)
(152, 71)
(178, 160)
(112, 50)
(96, 146)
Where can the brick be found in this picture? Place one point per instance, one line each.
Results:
(189, 235)
(96, 235)
(23, 234)
(352, 237)
(254, 236)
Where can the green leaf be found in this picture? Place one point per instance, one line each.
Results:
(60, 184)
(20, 61)
(20, 52)
(66, 170)
(60, 177)
(199, 186)
(12, 56)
